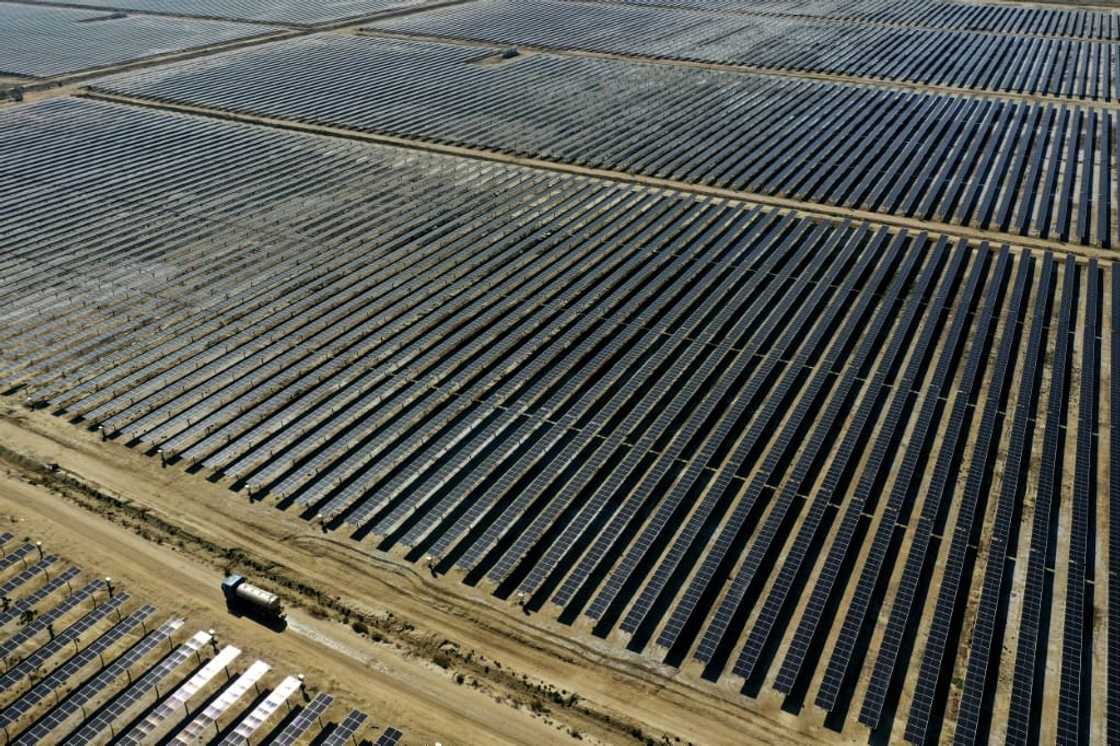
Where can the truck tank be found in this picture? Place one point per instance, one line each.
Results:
(239, 590)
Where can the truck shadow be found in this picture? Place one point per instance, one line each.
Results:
(275, 624)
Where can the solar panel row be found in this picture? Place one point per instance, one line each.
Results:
(11, 558)
(390, 737)
(1024, 717)
(177, 701)
(345, 730)
(288, 12)
(44, 620)
(303, 722)
(1075, 692)
(194, 730)
(13, 584)
(865, 496)
(260, 714)
(867, 490)
(731, 616)
(1113, 579)
(900, 630)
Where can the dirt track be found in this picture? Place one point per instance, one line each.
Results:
(168, 536)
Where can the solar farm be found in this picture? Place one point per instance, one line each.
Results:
(748, 365)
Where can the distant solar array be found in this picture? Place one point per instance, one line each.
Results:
(765, 442)
(1075, 23)
(1053, 66)
(288, 12)
(41, 41)
(81, 668)
(1030, 169)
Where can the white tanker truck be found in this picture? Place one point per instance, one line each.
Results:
(242, 595)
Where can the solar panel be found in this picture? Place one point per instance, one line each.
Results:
(28, 603)
(726, 623)
(1025, 711)
(68, 672)
(42, 729)
(92, 729)
(932, 678)
(15, 556)
(391, 737)
(880, 451)
(14, 584)
(657, 530)
(46, 619)
(986, 646)
(346, 730)
(718, 487)
(939, 491)
(302, 722)
(717, 561)
(1113, 507)
(591, 510)
(1076, 687)
(235, 691)
(262, 712)
(66, 637)
(175, 702)
(683, 417)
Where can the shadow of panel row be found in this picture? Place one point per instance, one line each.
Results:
(813, 458)
(84, 663)
(1028, 169)
(961, 59)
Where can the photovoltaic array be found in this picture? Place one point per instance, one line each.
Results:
(818, 457)
(287, 12)
(1022, 63)
(1074, 23)
(81, 39)
(1028, 169)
